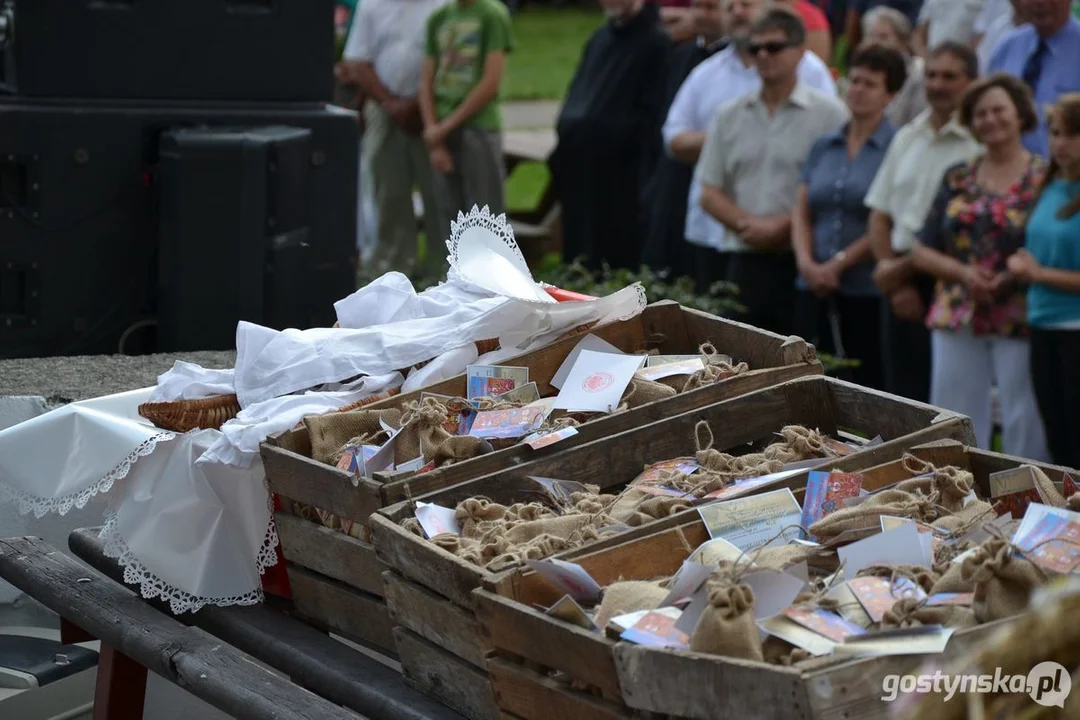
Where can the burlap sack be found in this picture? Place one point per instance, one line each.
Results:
(639, 392)
(422, 430)
(967, 518)
(867, 515)
(776, 651)
(331, 431)
(781, 557)
(457, 448)
(1073, 503)
(950, 483)
(910, 612)
(560, 527)
(473, 511)
(953, 580)
(727, 626)
(1004, 580)
(626, 597)
(925, 578)
(1046, 488)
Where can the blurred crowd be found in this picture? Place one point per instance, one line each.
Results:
(919, 213)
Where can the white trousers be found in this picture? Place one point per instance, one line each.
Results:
(964, 369)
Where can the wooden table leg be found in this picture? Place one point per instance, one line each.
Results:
(70, 633)
(121, 686)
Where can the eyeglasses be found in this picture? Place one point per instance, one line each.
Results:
(774, 47)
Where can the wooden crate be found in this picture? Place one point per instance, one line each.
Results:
(683, 684)
(820, 402)
(349, 566)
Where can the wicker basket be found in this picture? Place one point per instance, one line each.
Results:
(184, 415)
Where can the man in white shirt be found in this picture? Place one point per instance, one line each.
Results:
(900, 198)
(383, 56)
(944, 20)
(726, 76)
(752, 163)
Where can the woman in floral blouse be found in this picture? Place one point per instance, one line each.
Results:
(977, 317)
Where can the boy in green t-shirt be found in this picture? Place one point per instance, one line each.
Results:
(467, 43)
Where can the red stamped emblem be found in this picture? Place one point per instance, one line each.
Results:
(598, 382)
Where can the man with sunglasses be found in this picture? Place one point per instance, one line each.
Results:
(724, 77)
(752, 163)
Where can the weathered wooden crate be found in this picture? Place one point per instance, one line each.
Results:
(823, 403)
(326, 566)
(632, 679)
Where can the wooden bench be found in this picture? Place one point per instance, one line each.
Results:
(215, 658)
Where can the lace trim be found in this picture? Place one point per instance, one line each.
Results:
(40, 506)
(151, 586)
(482, 218)
(268, 557)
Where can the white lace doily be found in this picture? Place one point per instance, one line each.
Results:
(485, 254)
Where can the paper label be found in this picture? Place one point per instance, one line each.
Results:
(524, 394)
(437, 520)
(962, 599)
(743, 487)
(507, 424)
(877, 595)
(597, 382)
(824, 622)
(659, 372)
(571, 578)
(760, 520)
(537, 441)
(787, 629)
(825, 493)
(492, 380)
(658, 360)
(686, 581)
(656, 472)
(1053, 544)
(589, 342)
(557, 490)
(567, 609)
(901, 546)
(412, 465)
(657, 629)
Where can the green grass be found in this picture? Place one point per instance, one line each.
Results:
(547, 47)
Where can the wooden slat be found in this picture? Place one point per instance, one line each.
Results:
(434, 568)
(705, 687)
(446, 678)
(594, 430)
(436, 619)
(330, 552)
(517, 628)
(353, 614)
(530, 696)
(861, 410)
(755, 346)
(203, 665)
(318, 484)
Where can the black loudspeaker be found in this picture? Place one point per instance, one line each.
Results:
(101, 203)
(233, 216)
(236, 50)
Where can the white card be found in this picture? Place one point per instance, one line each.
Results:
(437, 520)
(597, 381)
(901, 546)
(384, 458)
(589, 342)
(411, 465)
(571, 578)
(659, 372)
(687, 580)
(773, 591)
(785, 628)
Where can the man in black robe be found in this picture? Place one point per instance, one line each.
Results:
(668, 185)
(608, 139)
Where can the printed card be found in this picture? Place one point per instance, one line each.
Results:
(523, 394)
(1015, 504)
(543, 440)
(1069, 486)
(567, 609)
(459, 412)
(962, 599)
(839, 448)
(507, 424)
(658, 360)
(571, 578)
(877, 595)
(787, 629)
(1054, 544)
(412, 465)
(901, 546)
(742, 487)
(825, 493)
(1011, 481)
(589, 342)
(437, 520)
(824, 622)
(492, 380)
(924, 640)
(597, 382)
(558, 490)
(890, 522)
(657, 471)
(659, 372)
(768, 519)
(657, 630)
